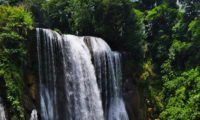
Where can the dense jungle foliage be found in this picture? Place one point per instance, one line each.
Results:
(162, 35)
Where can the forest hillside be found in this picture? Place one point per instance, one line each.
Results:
(159, 41)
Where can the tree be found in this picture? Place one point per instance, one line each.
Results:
(160, 21)
(182, 96)
(14, 24)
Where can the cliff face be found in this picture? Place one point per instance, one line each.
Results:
(133, 91)
(133, 88)
(31, 89)
(29, 80)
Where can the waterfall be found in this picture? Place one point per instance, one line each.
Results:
(80, 78)
(109, 76)
(180, 6)
(34, 115)
(2, 111)
(68, 87)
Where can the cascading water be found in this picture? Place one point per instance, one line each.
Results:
(68, 87)
(68, 78)
(109, 76)
(180, 6)
(2, 111)
(34, 115)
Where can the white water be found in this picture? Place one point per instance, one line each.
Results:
(34, 115)
(86, 103)
(117, 110)
(68, 87)
(109, 75)
(180, 6)
(68, 78)
(2, 111)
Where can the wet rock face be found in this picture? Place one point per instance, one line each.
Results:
(2, 89)
(30, 98)
(30, 101)
(132, 89)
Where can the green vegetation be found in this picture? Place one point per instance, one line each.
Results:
(173, 38)
(182, 98)
(164, 40)
(14, 23)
